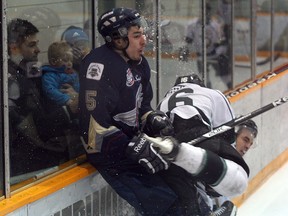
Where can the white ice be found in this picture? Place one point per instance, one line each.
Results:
(271, 199)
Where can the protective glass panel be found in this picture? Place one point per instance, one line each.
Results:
(43, 85)
(242, 41)
(181, 25)
(1, 120)
(272, 37)
(177, 56)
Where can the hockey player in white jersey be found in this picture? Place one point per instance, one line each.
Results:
(246, 137)
(195, 110)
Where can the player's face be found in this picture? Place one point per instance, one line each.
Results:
(29, 49)
(137, 43)
(244, 141)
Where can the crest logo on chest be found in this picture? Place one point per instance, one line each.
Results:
(129, 78)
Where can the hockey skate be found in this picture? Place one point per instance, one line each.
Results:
(226, 209)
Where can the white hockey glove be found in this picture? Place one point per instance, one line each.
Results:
(168, 146)
(154, 154)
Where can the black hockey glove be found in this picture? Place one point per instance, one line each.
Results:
(153, 155)
(158, 124)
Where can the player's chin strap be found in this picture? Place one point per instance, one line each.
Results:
(234, 122)
(123, 49)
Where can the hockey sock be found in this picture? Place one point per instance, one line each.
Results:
(203, 164)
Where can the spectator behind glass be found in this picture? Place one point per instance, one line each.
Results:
(48, 21)
(79, 41)
(35, 139)
(60, 72)
(216, 46)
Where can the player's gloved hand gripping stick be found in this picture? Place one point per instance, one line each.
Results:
(154, 154)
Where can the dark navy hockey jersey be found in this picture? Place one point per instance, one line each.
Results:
(113, 96)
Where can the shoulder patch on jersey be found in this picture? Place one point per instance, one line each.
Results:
(94, 71)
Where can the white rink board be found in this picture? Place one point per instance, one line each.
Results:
(89, 196)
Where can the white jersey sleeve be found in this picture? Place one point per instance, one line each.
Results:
(187, 100)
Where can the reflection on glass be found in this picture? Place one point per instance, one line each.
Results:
(216, 45)
(181, 42)
(242, 41)
(275, 12)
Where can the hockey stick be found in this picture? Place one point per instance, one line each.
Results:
(234, 122)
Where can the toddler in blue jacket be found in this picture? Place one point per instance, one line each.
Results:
(59, 73)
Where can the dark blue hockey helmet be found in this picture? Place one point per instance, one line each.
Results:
(114, 24)
(192, 78)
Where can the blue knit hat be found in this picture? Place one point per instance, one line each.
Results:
(74, 34)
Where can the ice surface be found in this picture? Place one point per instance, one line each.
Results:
(271, 199)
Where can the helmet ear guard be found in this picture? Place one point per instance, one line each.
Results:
(123, 32)
(108, 39)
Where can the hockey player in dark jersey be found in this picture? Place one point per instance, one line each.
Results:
(196, 110)
(114, 101)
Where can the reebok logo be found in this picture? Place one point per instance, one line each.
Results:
(139, 145)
